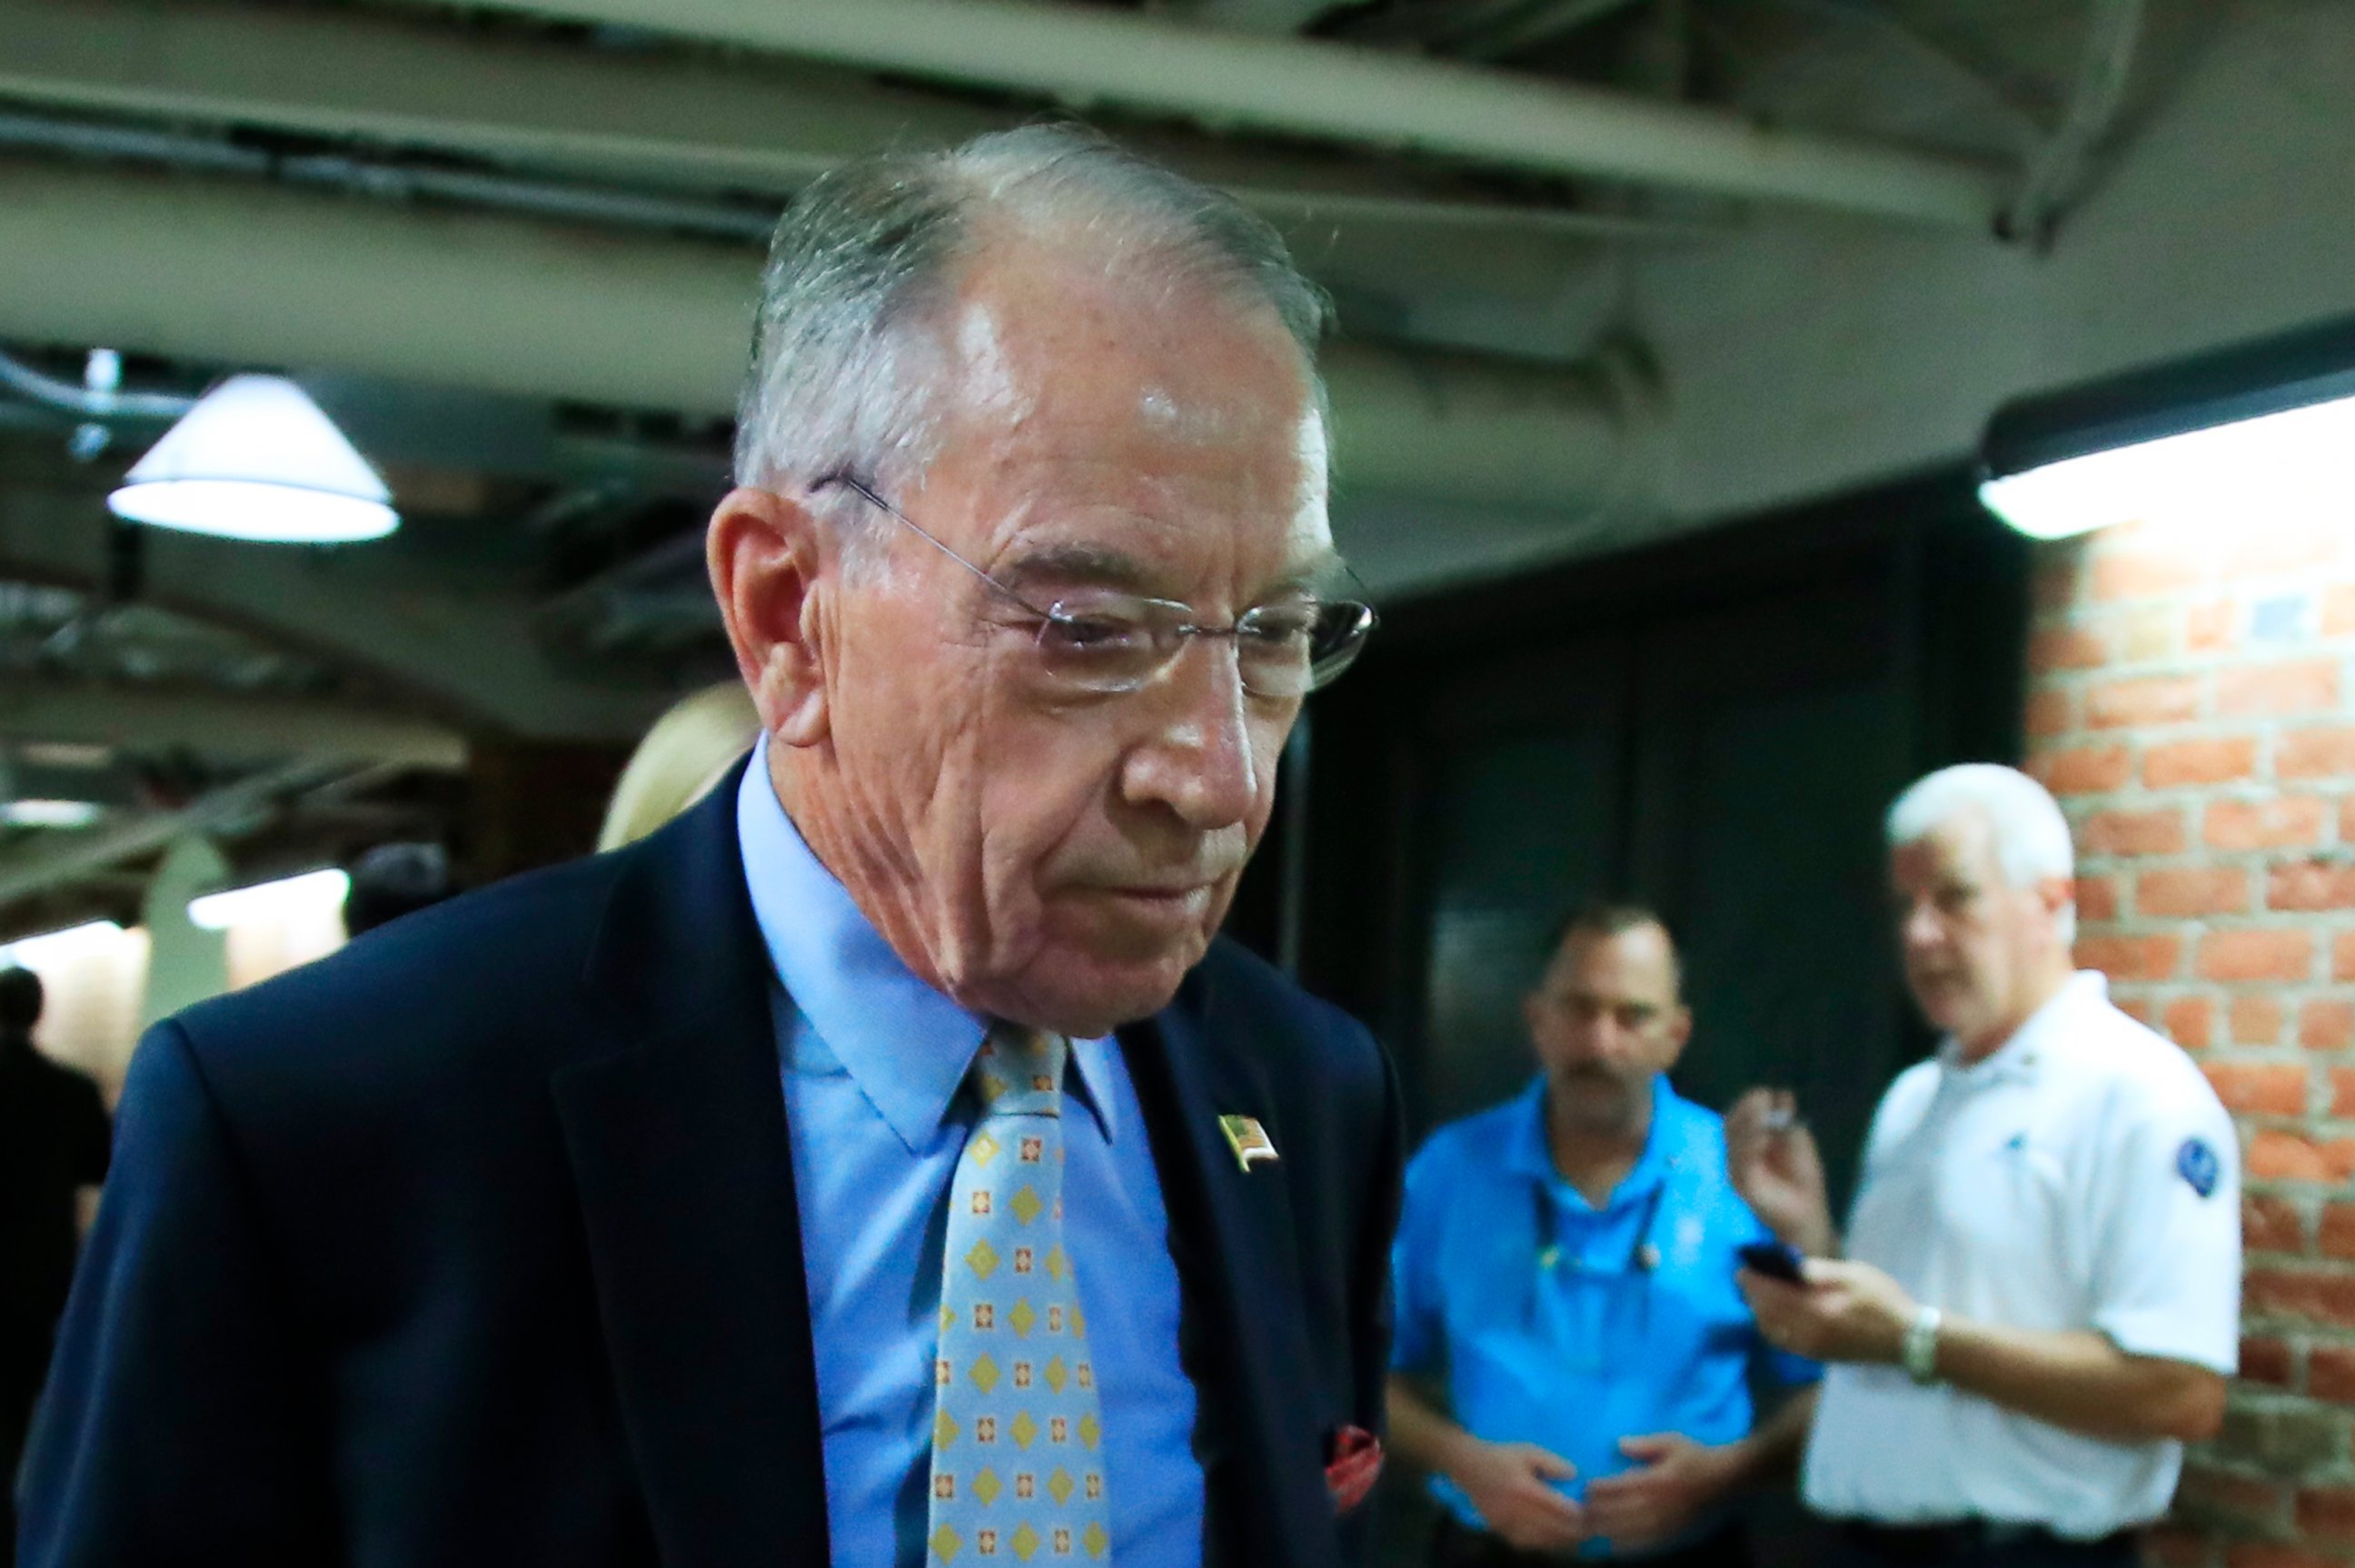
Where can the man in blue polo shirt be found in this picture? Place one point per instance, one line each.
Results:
(1564, 1273)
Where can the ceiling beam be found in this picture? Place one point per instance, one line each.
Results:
(218, 721)
(459, 640)
(262, 275)
(661, 116)
(1301, 87)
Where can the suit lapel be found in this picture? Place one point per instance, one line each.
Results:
(677, 1135)
(1239, 1263)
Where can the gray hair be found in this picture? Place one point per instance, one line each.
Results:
(869, 252)
(2031, 835)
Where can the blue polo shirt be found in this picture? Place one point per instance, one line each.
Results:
(1534, 1307)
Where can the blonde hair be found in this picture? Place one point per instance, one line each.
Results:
(690, 748)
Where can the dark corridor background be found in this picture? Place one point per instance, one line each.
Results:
(1714, 727)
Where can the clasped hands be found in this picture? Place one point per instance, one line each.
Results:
(1515, 1487)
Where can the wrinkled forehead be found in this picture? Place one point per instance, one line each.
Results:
(1037, 335)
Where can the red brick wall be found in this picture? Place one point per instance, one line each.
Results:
(2193, 702)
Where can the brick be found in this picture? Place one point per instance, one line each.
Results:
(2054, 571)
(2281, 822)
(2270, 1223)
(2327, 1513)
(2168, 1545)
(2183, 892)
(2259, 1088)
(2224, 759)
(2310, 885)
(2271, 1554)
(2292, 685)
(2342, 955)
(2131, 957)
(2207, 628)
(2067, 647)
(2049, 712)
(2292, 1157)
(2338, 612)
(2277, 547)
(2154, 832)
(2330, 1373)
(2257, 1021)
(2266, 954)
(2123, 572)
(2267, 1361)
(2316, 754)
(2303, 1294)
(2143, 701)
(2190, 1023)
(2335, 1237)
(2097, 900)
(2327, 1024)
(2342, 1094)
(2288, 1441)
(2238, 1505)
(2083, 769)
(2136, 1006)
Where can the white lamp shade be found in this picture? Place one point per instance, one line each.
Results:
(256, 459)
(269, 901)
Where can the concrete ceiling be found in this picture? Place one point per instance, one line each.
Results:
(1606, 270)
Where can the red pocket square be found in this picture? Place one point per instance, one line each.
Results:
(1357, 1460)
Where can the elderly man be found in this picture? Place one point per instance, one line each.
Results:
(2040, 1303)
(1566, 1266)
(883, 1164)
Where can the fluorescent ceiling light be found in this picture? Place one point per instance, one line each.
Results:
(319, 891)
(2259, 434)
(256, 459)
(59, 946)
(48, 812)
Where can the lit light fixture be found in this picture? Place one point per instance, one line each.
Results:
(48, 812)
(2256, 433)
(57, 946)
(319, 891)
(256, 459)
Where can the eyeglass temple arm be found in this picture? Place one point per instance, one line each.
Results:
(858, 488)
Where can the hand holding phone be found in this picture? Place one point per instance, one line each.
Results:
(1776, 1260)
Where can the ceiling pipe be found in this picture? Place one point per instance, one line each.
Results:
(1307, 88)
(259, 274)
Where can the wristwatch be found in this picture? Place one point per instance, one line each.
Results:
(1918, 1351)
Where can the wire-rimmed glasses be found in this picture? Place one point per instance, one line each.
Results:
(1104, 641)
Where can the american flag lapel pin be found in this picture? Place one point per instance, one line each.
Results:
(1248, 1139)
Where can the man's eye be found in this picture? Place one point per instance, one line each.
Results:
(1090, 634)
(1282, 628)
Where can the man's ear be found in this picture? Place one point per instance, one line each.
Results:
(765, 552)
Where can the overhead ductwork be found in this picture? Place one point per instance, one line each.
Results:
(1084, 54)
(244, 273)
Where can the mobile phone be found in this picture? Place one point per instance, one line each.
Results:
(1776, 1260)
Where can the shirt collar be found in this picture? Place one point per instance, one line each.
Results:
(1527, 1153)
(2045, 1031)
(906, 1045)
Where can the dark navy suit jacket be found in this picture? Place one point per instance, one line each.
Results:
(476, 1243)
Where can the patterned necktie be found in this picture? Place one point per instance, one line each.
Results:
(1017, 1458)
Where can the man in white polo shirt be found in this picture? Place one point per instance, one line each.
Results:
(2040, 1299)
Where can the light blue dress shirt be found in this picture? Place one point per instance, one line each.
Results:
(1535, 1306)
(873, 1062)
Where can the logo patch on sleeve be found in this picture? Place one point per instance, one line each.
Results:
(2198, 1165)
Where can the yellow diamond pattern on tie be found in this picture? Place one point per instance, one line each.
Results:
(1006, 1270)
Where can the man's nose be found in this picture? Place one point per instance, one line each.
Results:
(1917, 928)
(1198, 757)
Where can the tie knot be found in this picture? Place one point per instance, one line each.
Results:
(1020, 1072)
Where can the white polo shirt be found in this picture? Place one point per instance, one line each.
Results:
(2083, 1176)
